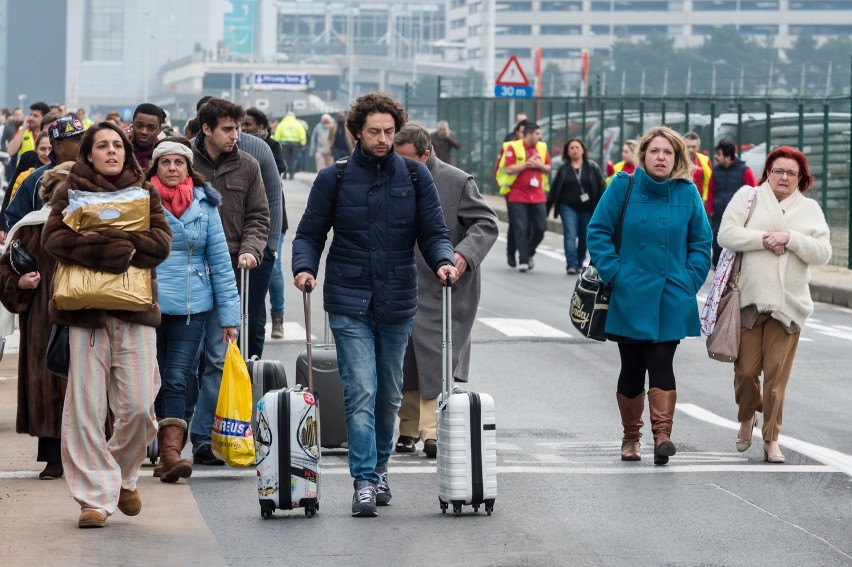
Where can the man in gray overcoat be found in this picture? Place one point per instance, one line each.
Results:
(473, 227)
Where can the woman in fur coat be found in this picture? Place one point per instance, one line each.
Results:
(40, 393)
(113, 363)
(786, 234)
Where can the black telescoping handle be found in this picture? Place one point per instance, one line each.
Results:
(447, 339)
(306, 296)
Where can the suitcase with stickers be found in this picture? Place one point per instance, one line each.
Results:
(467, 437)
(287, 441)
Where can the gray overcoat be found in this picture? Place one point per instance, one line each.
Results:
(473, 227)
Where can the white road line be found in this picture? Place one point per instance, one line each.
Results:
(523, 328)
(829, 331)
(829, 457)
(646, 468)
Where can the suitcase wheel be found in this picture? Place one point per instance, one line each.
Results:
(444, 506)
(476, 509)
(266, 512)
(489, 506)
(457, 508)
(311, 511)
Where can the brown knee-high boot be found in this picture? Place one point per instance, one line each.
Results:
(662, 406)
(171, 440)
(631, 420)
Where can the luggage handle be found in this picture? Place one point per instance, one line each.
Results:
(306, 297)
(447, 341)
(244, 309)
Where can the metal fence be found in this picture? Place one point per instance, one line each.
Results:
(819, 127)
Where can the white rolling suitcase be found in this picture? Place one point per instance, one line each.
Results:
(467, 437)
(287, 441)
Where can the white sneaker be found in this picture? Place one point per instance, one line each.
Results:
(523, 267)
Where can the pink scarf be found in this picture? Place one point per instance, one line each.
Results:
(176, 200)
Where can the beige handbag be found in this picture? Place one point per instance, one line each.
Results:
(723, 344)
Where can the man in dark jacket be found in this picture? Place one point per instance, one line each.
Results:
(378, 210)
(245, 220)
(729, 174)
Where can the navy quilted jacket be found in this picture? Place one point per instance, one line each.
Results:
(377, 216)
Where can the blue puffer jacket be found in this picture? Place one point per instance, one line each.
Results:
(199, 265)
(377, 217)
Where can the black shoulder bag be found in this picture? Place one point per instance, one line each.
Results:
(590, 301)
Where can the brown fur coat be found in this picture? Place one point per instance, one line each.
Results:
(108, 250)
(40, 393)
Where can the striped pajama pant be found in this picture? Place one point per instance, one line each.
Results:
(115, 368)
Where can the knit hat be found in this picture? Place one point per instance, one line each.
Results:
(167, 147)
(65, 127)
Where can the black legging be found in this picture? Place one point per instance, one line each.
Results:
(637, 358)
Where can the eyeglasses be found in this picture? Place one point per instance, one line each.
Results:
(782, 172)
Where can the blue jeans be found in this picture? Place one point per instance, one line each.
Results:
(276, 284)
(574, 226)
(201, 429)
(370, 356)
(179, 341)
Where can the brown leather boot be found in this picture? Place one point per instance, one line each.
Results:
(631, 420)
(170, 438)
(662, 405)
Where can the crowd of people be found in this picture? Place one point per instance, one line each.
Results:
(405, 222)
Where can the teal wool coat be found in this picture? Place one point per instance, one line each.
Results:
(663, 261)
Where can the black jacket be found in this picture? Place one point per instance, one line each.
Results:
(565, 190)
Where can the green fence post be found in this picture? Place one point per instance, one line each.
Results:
(740, 127)
(601, 162)
(712, 124)
(824, 185)
(849, 193)
(767, 126)
(801, 126)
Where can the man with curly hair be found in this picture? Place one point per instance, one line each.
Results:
(379, 206)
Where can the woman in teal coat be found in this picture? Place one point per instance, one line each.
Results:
(663, 261)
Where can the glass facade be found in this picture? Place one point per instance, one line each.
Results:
(103, 39)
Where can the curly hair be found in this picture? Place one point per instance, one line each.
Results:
(372, 103)
(683, 166)
(805, 177)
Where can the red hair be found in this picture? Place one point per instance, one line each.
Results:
(805, 177)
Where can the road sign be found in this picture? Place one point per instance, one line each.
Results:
(508, 91)
(512, 74)
(280, 80)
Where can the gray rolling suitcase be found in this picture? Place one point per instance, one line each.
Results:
(266, 375)
(328, 387)
(288, 445)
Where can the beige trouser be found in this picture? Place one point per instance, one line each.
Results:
(417, 417)
(765, 347)
(111, 368)
(323, 160)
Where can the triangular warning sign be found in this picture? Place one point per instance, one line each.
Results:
(512, 74)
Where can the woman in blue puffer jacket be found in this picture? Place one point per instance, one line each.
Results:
(196, 274)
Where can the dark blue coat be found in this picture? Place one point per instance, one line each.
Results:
(377, 216)
(663, 261)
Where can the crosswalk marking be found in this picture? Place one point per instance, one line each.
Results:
(523, 328)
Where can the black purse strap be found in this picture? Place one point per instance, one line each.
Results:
(617, 239)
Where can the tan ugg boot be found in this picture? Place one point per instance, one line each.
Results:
(631, 420)
(662, 405)
(171, 438)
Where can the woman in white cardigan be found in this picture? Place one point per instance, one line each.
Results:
(786, 234)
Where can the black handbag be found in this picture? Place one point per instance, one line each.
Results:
(20, 259)
(590, 301)
(58, 351)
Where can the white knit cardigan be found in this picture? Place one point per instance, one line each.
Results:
(776, 284)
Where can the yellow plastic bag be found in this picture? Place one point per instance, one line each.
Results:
(233, 440)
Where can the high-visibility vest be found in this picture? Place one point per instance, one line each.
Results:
(618, 167)
(290, 130)
(505, 180)
(704, 161)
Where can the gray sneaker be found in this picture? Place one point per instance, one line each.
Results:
(383, 491)
(364, 500)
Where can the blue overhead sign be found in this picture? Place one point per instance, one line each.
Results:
(510, 91)
(281, 80)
